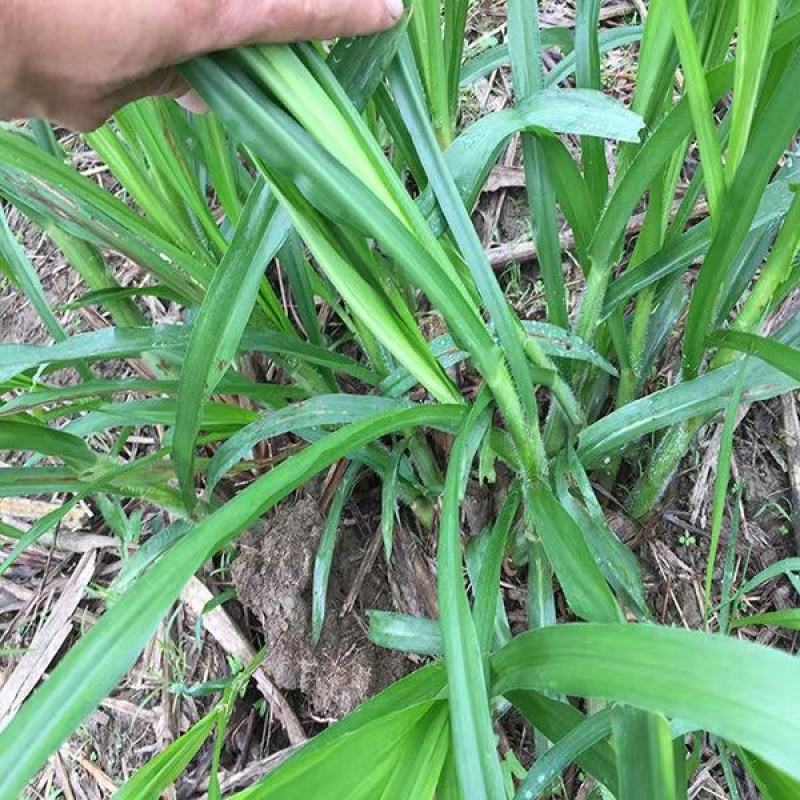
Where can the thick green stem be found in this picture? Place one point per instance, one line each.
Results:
(88, 263)
(677, 440)
(562, 391)
(775, 272)
(654, 481)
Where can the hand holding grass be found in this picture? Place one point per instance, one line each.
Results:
(78, 62)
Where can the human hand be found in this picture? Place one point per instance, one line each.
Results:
(77, 61)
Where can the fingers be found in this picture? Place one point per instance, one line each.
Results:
(239, 22)
(164, 83)
(103, 55)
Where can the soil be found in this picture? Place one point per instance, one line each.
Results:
(19, 322)
(273, 577)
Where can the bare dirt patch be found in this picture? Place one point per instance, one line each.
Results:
(273, 576)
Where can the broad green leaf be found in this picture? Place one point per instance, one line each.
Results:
(548, 766)
(420, 767)
(409, 697)
(645, 762)
(787, 618)
(574, 111)
(72, 450)
(473, 737)
(159, 773)
(356, 764)
(405, 634)
(584, 586)
(774, 784)
(106, 652)
(750, 698)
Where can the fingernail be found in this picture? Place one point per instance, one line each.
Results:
(193, 103)
(395, 8)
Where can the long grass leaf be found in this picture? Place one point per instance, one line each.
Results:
(159, 773)
(223, 317)
(698, 398)
(486, 590)
(107, 651)
(406, 87)
(473, 739)
(323, 561)
(722, 482)
(645, 761)
(589, 76)
(739, 701)
(776, 124)
(584, 586)
(756, 18)
(781, 356)
(789, 619)
(557, 720)
(551, 764)
(21, 435)
(702, 110)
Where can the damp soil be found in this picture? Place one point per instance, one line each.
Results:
(273, 577)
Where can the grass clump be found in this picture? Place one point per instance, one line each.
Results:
(309, 156)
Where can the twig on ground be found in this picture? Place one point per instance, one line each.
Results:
(217, 622)
(254, 772)
(641, 8)
(100, 778)
(791, 426)
(701, 493)
(363, 570)
(46, 643)
(63, 777)
(521, 252)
